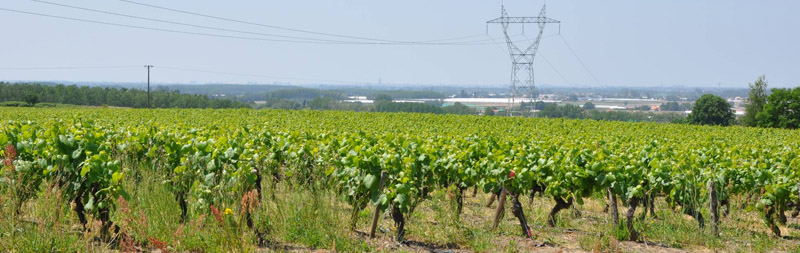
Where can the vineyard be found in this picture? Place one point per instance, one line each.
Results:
(184, 179)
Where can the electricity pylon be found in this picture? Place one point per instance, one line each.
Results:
(522, 59)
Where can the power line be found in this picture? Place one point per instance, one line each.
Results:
(288, 28)
(155, 29)
(556, 70)
(498, 45)
(177, 23)
(466, 43)
(172, 68)
(551, 64)
(581, 61)
(244, 32)
(66, 68)
(255, 75)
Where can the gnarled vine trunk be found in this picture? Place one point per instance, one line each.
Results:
(460, 200)
(184, 207)
(516, 208)
(633, 235)
(399, 222)
(770, 215)
(691, 211)
(560, 205)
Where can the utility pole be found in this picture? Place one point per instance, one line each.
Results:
(522, 59)
(148, 84)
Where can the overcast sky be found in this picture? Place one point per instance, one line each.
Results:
(623, 43)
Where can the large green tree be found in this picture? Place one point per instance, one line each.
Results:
(755, 101)
(711, 110)
(782, 109)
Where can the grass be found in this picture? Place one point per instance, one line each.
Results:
(300, 219)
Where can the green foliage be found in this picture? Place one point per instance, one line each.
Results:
(782, 109)
(755, 101)
(31, 99)
(575, 112)
(711, 110)
(629, 116)
(299, 94)
(459, 108)
(384, 106)
(675, 106)
(214, 157)
(566, 111)
(14, 104)
(588, 106)
(572, 98)
(382, 98)
(489, 111)
(395, 94)
(281, 104)
(527, 106)
(98, 96)
(322, 103)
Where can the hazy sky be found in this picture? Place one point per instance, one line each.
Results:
(624, 43)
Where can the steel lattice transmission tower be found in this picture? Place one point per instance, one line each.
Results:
(522, 60)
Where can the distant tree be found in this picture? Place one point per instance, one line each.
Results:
(572, 97)
(711, 110)
(282, 104)
(566, 111)
(383, 98)
(670, 106)
(459, 108)
(643, 108)
(675, 106)
(489, 111)
(782, 109)
(31, 99)
(588, 106)
(322, 103)
(527, 106)
(99, 96)
(539, 105)
(755, 101)
(384, 106)
(299, 94)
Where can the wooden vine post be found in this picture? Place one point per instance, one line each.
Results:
(501, 201)
(797, 206)
(612, 204)
(377, 208)
(712, 192)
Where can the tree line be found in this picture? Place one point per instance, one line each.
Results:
(33, 93)
(780, 108)
(549, 110)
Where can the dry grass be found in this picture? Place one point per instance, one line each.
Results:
(301, 220)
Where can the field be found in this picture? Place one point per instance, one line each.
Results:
(79, 179)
